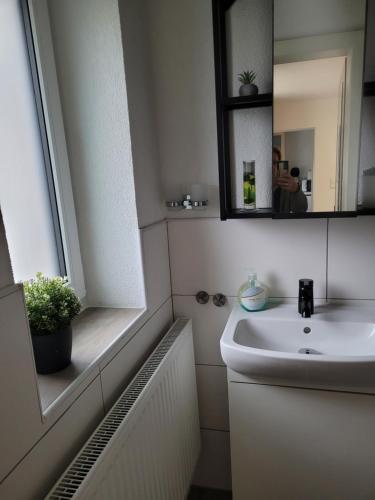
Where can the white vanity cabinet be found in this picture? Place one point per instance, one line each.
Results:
(301, 402)
(291, 443)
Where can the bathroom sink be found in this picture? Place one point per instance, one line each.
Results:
(335, 347)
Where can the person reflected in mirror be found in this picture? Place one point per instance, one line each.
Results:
(287, 194)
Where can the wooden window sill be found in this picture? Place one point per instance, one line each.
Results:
(95, 331)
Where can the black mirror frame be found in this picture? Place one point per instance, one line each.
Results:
(224, 105)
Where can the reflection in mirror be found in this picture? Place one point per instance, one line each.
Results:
(366, 178)
(250, 143)
(249, 45)
(318, 77)
(248, 25)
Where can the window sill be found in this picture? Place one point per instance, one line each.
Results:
(96, 332)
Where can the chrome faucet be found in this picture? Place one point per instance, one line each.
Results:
(306, 298)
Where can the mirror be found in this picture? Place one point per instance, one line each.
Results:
(295, 96)
(318, 79)
(366, 177)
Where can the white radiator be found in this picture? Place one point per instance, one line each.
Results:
(147, 446)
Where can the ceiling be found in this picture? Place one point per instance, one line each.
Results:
(301, 18)
(313, 79)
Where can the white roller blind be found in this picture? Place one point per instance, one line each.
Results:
(24, 196)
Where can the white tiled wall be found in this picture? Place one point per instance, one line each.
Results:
(208, 324)
(44, 448)
(351, 258)
(20, 421)
(38, 471)
(213, 397)
(212, 255)
(207, 254)
(156, 265)
(119, 372)
(213, 469)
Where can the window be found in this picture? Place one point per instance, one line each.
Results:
(35, 191)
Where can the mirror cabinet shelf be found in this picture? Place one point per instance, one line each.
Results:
(247, 102)
(293, 111)
(239, 213)
(268, 213)
(365, 211)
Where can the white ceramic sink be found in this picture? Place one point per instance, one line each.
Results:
(337, 350)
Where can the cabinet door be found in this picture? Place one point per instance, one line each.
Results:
(20, 416)
(300, 444)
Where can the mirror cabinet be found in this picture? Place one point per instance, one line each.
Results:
(295, 98)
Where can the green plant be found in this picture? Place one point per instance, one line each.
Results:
(51, 305)
(247, 77)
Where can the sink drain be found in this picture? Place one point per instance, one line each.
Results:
(308, 350)
(306, 329)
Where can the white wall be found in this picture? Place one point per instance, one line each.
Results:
(184, 91)
(205, 254)
(319, 17)
(35, 460)
(90, 67)
(183, 87)
(141, 102)
(338, 254)
(299, 150)
(249, 43)
(92, 85)
(322, 116)
(208, 254)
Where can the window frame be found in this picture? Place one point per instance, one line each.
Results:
(50, 117)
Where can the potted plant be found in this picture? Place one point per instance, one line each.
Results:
(248, 87)
(51, 306)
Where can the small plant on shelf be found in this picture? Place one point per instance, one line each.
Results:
(247, 78)
(51, 306)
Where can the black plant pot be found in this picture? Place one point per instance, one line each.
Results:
(52, 351)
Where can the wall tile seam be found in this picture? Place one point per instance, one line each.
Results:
(211, 429)
(272, 297)
(326, 299)
(152, 224)
(139, 328)
(170, 271)
(213, 365)
(98, 377)
(99, 370)
(194, 218)
(102, 390)
(50, 428)
(352, 299)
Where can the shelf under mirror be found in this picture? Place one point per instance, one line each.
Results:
(369, 89)
(246, 102)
